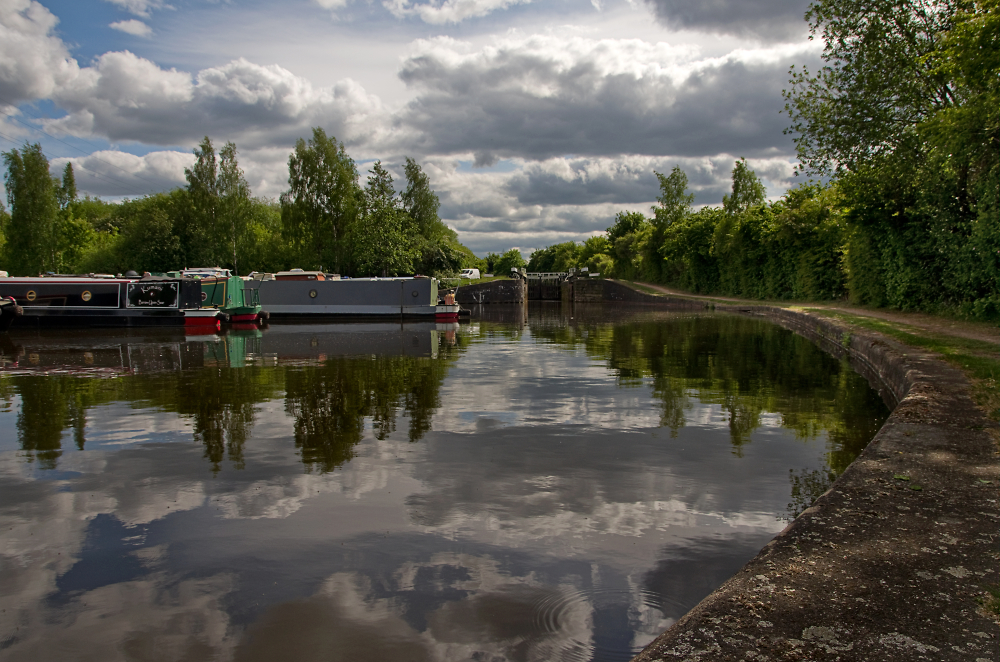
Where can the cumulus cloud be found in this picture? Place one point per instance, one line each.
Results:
(438, 12)
(768, 20)
(562, 131)
(33, 61)
(132, 27)
(138, 7)
(632, 179)
(536, 204)
(113, 173)
(544, 96)
(128, 98)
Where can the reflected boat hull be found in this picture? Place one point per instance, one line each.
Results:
(111, 351)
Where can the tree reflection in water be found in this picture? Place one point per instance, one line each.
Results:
(748, 367)
(216, 386)
(332, 402)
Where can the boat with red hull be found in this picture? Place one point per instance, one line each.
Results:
(88, 301)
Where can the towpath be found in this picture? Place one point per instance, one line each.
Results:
(981, 331)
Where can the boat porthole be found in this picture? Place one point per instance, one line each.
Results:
(204, 296)
(415, 293)
(86, 295)
(312, 294)
(30, 296)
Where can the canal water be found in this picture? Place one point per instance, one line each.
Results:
(549, 484)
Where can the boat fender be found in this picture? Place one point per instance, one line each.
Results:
(265, 315)
(224, 317)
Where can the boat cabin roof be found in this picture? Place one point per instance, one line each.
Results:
(299, 274)
(207, 272)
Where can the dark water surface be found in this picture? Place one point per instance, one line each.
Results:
(556, 485)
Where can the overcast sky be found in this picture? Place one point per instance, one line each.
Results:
(536, 120)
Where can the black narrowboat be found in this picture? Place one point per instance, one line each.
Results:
(89, 301)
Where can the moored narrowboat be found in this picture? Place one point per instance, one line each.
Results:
(97, 301)
(229, 294)
(307, 295)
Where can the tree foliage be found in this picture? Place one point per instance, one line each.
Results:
(324, 219)
(511, 259)
(322, 201)
(748, 190)
(32, 234)
(904, 113)
(878, 82)
(381, 246)
(436, 249)
(674, 199)
(198, 219)
(233, 207)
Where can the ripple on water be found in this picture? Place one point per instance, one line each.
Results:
(556, 612)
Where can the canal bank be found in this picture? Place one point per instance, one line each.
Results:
(896, 560)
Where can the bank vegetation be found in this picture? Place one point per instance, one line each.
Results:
(898, 134)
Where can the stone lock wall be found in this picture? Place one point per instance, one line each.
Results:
(494, 291)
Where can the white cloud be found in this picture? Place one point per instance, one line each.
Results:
(139, 7)
(539, 203)
(495, 616)
(332, 4)
(113, 173)
(446, 11)
(33, 61)
(128, 98)
(579, 124)
(132, 27)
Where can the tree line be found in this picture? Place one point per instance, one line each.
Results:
(325, 220)
(902, 127)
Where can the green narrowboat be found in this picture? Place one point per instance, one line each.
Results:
(227, 293)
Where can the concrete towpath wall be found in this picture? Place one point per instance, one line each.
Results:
(893, 561)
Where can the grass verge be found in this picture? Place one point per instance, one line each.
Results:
(978, 359)
(447, 282)
(990, 601)
(643, 288)
(700, 297)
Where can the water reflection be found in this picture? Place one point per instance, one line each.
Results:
(527, 487)
(749, 367)
(218, 382)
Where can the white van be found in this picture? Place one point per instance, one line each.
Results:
(471, 274)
